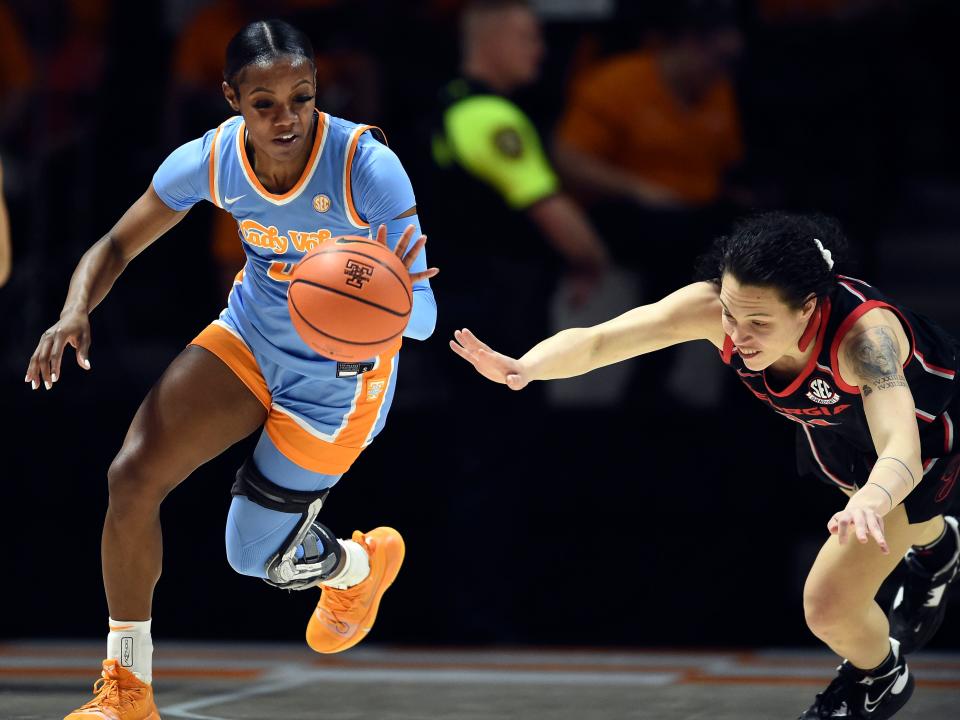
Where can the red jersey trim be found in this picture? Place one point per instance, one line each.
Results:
(811, 363)
(848, 323)
(727, 353)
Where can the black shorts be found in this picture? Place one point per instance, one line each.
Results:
(839, 463)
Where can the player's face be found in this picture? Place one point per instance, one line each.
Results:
(276, 100)
(762, 326)
(520, 45)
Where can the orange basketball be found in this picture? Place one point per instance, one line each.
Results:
(350, 298)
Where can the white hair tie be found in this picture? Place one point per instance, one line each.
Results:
(827, 256)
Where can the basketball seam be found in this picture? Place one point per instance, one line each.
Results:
(313, 327)
(349, 295)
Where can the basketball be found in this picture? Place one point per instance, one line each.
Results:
(350, 298)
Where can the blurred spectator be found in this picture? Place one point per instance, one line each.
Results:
(16, 71)
(648, 136)
(5, 252)
(503, 234)
(495, 197)
(657, 126)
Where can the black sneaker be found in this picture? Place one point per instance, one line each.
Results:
(857, 696)
(920, 603)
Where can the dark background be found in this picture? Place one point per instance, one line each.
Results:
(637, 523)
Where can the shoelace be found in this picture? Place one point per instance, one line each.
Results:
(109, 691)
(834, 697)
(336, 600)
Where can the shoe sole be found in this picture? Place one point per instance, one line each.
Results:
(154, 715)
(389, 575)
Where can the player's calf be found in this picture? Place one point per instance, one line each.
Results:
(353, 574)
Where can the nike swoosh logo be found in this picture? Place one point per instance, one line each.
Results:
(897, 685)
(231, 201)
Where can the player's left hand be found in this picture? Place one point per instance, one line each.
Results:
(861, 522)
(406, 257)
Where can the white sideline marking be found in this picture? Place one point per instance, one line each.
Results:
(297, 675)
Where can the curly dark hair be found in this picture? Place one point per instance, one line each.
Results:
(777, 250)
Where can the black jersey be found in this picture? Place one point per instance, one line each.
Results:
(830, 412)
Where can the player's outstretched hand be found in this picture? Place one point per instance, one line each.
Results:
(44, 367)
(862, 522)
(489, 363)
(408, 257)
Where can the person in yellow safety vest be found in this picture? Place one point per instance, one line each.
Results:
(510, 231)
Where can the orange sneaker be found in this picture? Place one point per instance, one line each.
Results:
(119, 695)
(344, 617)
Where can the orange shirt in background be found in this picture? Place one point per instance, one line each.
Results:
(201, 48)
(622, 112)
(16, 70)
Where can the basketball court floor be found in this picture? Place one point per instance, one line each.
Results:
(44, 680)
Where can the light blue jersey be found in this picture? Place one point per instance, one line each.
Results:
(322, 413)
(351, 182)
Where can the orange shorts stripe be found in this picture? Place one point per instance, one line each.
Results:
(334, 458)
(237, 356)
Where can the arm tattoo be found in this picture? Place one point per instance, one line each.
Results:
(875, 357)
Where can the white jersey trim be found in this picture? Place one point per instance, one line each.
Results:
(386, 389)
(816, 456)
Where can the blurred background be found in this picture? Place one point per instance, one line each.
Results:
(651, 504)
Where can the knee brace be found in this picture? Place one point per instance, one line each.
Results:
(322, 553)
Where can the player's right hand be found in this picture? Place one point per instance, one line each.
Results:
(72, 329)
(489, 363)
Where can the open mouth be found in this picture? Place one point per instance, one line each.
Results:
(747, 353)
(286, 140)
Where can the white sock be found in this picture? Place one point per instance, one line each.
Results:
(130, 644)
(355, 569)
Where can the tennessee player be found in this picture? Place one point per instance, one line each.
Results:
(291, 176)
(873, 390)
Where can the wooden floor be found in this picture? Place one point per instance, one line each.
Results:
(236, 682)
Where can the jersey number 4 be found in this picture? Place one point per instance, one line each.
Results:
(281, 271)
